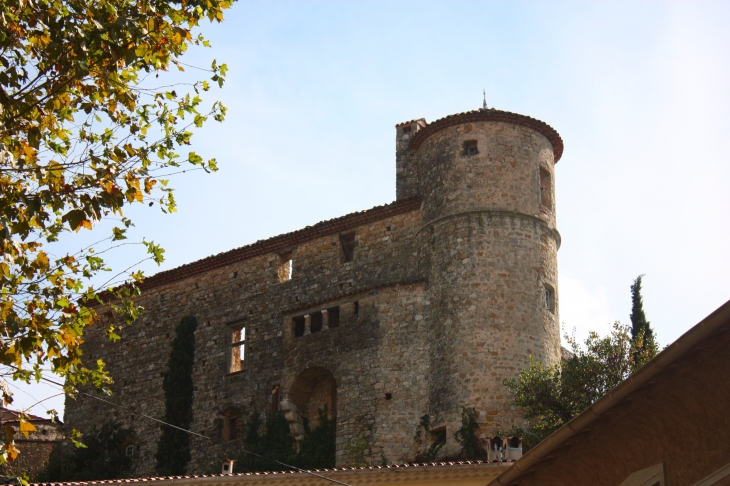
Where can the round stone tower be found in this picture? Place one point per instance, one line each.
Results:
(489, 246)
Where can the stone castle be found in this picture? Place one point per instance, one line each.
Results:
(422, 306)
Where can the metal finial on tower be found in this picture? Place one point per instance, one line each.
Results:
(484, 106)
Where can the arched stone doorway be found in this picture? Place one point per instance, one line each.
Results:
(313, 390)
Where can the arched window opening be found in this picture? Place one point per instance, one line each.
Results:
(314, 389)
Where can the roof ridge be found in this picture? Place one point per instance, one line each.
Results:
(282, 241)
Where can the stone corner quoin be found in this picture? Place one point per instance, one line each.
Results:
(421, 306)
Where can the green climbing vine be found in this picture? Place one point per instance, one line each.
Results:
(423, 436)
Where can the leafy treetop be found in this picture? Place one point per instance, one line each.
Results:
(83, 134)
(551, 396)
(642, 335)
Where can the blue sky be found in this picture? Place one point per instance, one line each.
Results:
(638, 91)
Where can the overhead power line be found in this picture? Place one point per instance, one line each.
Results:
(196, 434)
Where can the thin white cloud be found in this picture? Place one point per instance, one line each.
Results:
(583, 309)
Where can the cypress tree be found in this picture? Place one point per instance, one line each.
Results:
(173, 448)
(642, 335)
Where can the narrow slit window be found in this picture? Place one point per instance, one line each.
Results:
(549, 294)
(356, 310)
(275, 398)
(470, 147)
(238, 348)
(546, 189)
(348, 246)
(285, 267)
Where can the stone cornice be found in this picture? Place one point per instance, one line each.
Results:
(495, 116)
(497, 213)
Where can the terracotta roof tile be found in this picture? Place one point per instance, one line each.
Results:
(363, 468)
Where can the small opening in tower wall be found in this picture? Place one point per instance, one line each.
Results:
(316, 324)
(274, 398)
(334, 316)
(546, 189)
(470, 147)
(406, 129)
(285, 267)
(348, 246)
(298, 326)
(549, 295)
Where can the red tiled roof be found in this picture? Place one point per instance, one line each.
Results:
(283, 242)
(9, 416)
(364, 468)
(491, 115)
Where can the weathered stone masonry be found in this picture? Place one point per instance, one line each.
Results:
(421, 306)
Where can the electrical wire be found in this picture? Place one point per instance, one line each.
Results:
(199, 435)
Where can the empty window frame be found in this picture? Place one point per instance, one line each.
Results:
(334, 316)
(299, 325)
(348, 246)
(549, 298)
(546, 189)
(316, 323)
(285, 267)
(470, 147)
(237, 349)
(232, 424)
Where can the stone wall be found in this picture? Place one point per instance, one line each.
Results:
(443, 297)
(491, 252)
(383, 274)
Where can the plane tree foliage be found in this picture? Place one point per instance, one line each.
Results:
(87, 128)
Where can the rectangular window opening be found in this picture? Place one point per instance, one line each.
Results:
(549, 299)
(348, 246)
(470, 147)
(285, 267)
(298, 326)
(316, 324)
(238, 348)
(356, 311)
(334, 316)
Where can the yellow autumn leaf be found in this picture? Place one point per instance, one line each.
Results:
(26, 427)
(12, 452)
